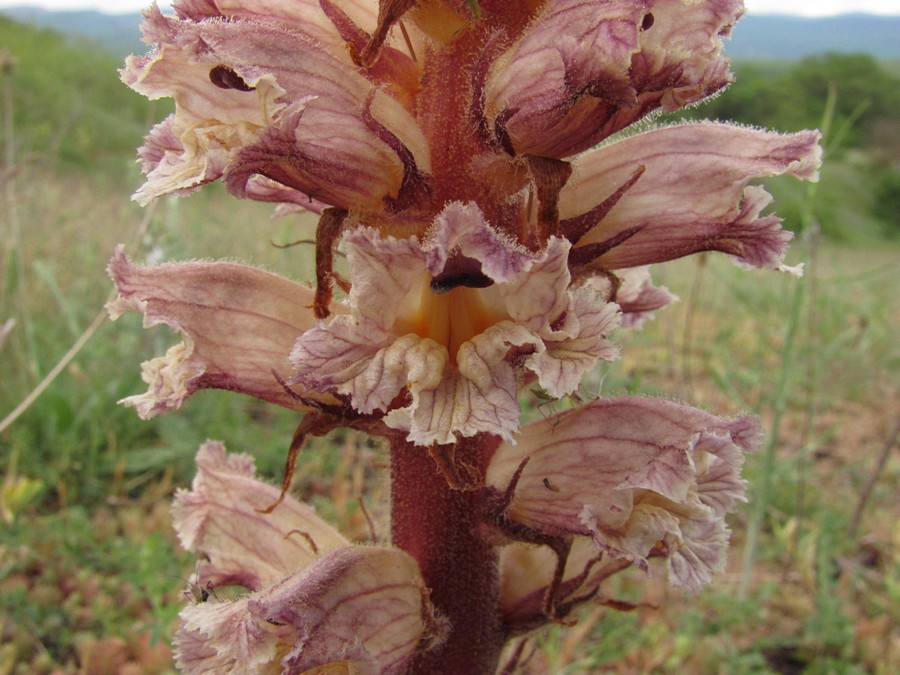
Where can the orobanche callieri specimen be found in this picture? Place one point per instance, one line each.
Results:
(499, 177)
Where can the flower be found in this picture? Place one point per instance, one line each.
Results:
(314, 598)
(243, 84)
(238, 324)
(691, 195)
(635, 477)
(454, 319)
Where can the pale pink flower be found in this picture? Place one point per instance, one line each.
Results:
(243, 85)
(637, 477)
(454, 319)
(691, 194)
(314, 599)
(581, 71)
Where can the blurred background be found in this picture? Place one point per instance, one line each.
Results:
(91, 577)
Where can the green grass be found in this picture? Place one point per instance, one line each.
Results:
(70, 107)
(89, 565)
(86, 451)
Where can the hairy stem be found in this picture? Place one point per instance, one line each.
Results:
(438, 525)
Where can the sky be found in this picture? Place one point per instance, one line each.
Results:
(801, 7)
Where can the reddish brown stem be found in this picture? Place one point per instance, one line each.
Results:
(438, 526)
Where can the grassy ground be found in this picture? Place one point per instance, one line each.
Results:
(89, 567)
(91, 577)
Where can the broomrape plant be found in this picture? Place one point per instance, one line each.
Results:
(475, 163)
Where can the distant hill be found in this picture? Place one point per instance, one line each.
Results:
(792, 37)
(119, 34)
(69, 107)
(755, 38)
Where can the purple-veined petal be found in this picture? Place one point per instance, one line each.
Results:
(570, 65)
(538, 298)
(220, 519)
(176, 168)
(692, 195)
(386, 274)
(479, 396)
(565, 361)
(359, 355)
(223, 637)
(322, 148)
(680, 60)
(305, 16)
(462, 227)
(362, 607)
(584, 70)
(289, 200)
(719, 457)
(238, 324)
(630, 473)
(366, 363)
(210, 121)
(698, 553)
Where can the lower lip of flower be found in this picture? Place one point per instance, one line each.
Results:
(450, 319)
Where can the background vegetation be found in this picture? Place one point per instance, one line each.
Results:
(89, 568)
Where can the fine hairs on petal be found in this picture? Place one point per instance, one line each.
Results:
(693, 194)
